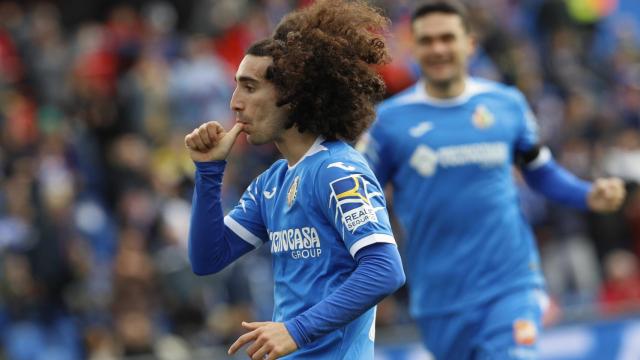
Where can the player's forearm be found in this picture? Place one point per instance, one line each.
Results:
(558, 184)
(210, 245)
(378, 274)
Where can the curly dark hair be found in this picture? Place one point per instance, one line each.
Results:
(322, 66)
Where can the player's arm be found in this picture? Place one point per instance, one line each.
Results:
(549, 178)
(378, 274)
(347, 190)
(546, 176)
(212, 245)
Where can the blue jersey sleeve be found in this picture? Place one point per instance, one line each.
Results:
(355, 204)
(245, 219)
(555, 182)
(528, 137)
(212, 245)
(373, 145)
(378, 274)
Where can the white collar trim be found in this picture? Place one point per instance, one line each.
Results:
(315, 148)
(419, 94)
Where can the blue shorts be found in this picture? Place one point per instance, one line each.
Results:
(506, 327)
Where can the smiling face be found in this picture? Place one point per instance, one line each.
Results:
(442, 46)
(254, 101)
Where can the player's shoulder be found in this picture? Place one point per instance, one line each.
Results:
(485, 87)
(398, 102)
(340, 157)
(271, 173)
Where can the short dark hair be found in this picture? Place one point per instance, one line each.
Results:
(452, 7)
(260, 48)
(322, 66)
(263, 47)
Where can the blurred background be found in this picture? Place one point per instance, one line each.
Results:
(95, 184)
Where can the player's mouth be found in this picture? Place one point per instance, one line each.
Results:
(439, 63)
(245, 124)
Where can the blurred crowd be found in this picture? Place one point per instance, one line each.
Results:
(95, 184)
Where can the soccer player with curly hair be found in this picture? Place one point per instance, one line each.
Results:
(309, 89)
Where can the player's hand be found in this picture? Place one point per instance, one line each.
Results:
(271, 340)
(606, 195)
(210, 141)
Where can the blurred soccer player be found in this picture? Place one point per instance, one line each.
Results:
(447, 145)
(307, 89)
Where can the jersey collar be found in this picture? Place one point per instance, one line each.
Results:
(316, 147)
(472, 87)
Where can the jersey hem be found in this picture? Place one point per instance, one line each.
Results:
(456, 307)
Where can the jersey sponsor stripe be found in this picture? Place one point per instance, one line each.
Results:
(242, 232)
(371, 239)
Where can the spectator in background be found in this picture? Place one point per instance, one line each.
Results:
(620, 290)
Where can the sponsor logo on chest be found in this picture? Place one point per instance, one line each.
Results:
(300, 243)
(425, 159)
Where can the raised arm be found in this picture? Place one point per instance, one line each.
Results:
(212, 245)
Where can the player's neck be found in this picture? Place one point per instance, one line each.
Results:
(293, 144)
(445, 90)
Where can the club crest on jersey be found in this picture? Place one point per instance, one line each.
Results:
(482, 118)
(293, 191)
(524, 332)
(353, 201)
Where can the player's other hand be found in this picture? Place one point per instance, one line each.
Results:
(210, 141)
(606, 195)
(271, 340)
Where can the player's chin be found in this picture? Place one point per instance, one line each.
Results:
(440, 74)
(253, 139)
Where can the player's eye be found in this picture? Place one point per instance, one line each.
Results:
(448, 38)
(425, 41)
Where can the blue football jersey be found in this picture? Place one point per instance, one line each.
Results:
(315, 216)
(450, 163)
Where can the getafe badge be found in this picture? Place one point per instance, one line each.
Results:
(482, 118)
(293, 191)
